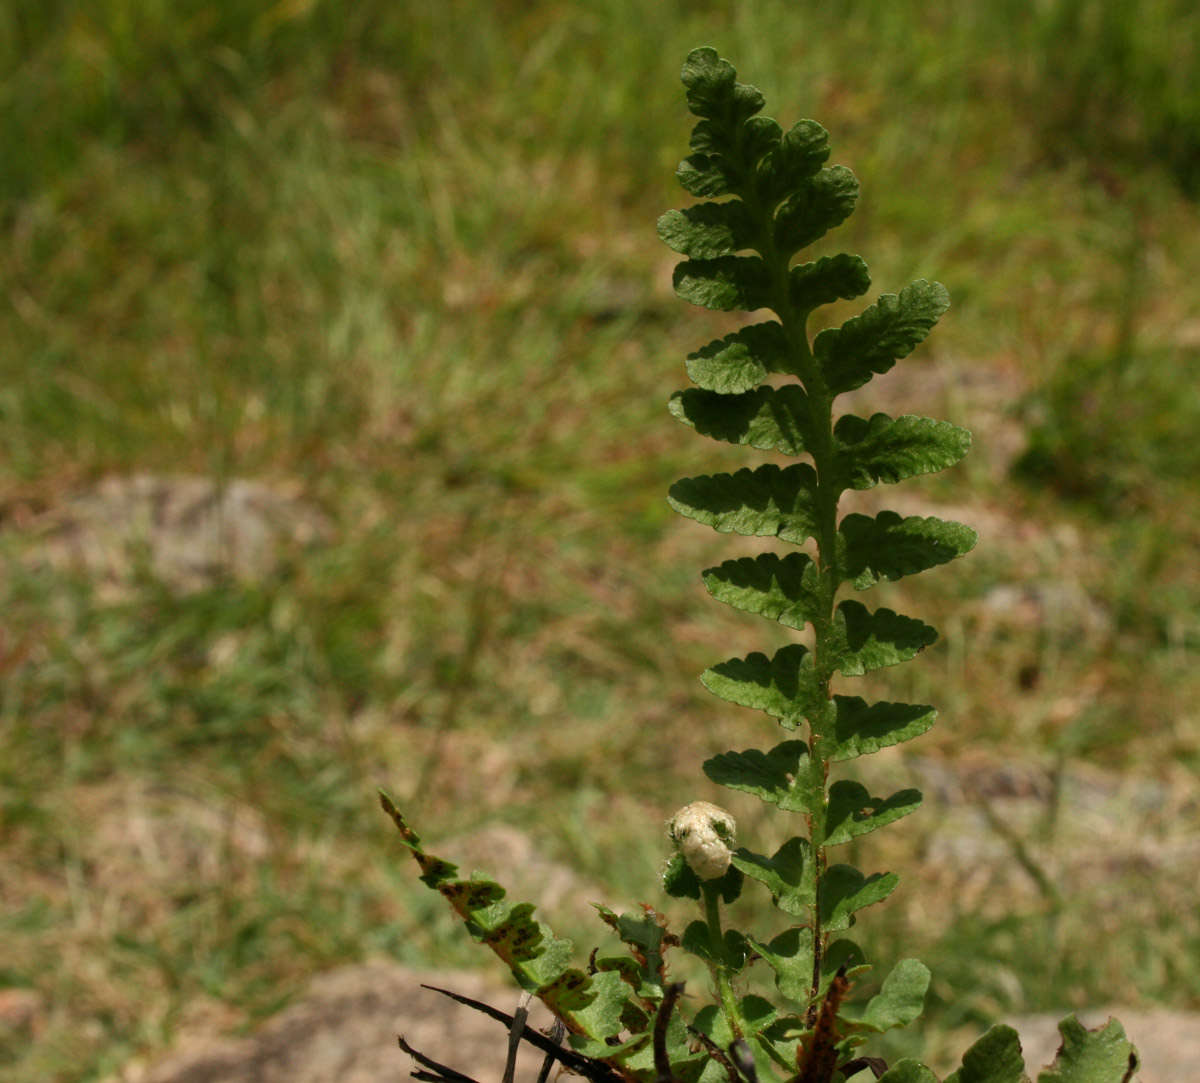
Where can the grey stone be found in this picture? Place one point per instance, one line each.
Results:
(188, 531)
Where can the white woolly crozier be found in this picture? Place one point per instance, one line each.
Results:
(703, 833)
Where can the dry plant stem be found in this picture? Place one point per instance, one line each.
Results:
(662, 1061)
(514, 1038)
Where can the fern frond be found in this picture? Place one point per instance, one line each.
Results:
(777, 197)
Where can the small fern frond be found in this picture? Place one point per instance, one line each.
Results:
(771, 387)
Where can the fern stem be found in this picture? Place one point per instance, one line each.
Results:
(720, 970)
(820, 437)
(821, 425)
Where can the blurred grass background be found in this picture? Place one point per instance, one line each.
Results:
(404, 255)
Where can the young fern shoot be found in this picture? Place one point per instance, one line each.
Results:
(767, 195)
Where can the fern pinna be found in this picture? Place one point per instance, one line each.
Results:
(767, 194)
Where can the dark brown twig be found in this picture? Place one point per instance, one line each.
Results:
(662, 1062)
(444, 1074)
(557, 1033)
(820, 1058)
(717, 1054)
(877, 1065)
(595, 1070)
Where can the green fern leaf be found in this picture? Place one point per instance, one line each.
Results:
(767, 418)
(890, 547)
(862, 640)
(908, 1071)
(603, 1016)
(678, 879)
(713, 91)
(758, 137)
(687, 1062)
(900, 1000)
(1104, 1055)
(766, 501)
(891, 449)
(861, 728)
(538, 960)
(785, 685)
(609, 1047)
(726, 284)
(741, 361)
(739, 256)
(815, 206)
(709, 230)
(790, 956)
(994, 1058)
(787, 874)
(759, 1021)
(845, 890)
(800, 154)
(852, 811)
(783, 589)
(831, 278)
(871, 343)
(732, 952)
(646, 934)
(778, 777)
(843, 955)
(704, 176)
